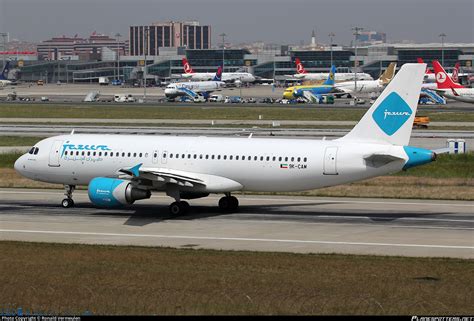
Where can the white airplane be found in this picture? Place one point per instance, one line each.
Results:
(233, 77)
(121, 169)
(4, 76)
(368, 86)
(450, 89)
(193, 88)
(339, 76)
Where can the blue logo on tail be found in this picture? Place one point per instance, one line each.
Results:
(391, 114)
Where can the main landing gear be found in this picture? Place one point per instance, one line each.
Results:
(227, 204)
(68, 202)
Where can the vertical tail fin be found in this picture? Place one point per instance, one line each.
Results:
(442, 78)
(389, 73)
(390, 119)
(330, 80)
(299, 67)
(187, 67)
(6, 69)
(218, 76)
(420, 61)
(455, 74)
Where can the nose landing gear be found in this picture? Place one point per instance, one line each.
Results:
(68, 201)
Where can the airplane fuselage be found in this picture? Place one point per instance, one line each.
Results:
(255, 164)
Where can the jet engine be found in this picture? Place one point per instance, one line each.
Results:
(111, 192)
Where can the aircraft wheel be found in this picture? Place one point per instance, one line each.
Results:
(67, 202)
(178, 208)
(228, 204)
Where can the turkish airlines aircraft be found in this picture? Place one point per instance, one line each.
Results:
(238, 77)
(450, 89)
(121, 169)
(340, 76)
(192, 88)
(430, 76)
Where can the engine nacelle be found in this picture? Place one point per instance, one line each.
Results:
(111, 192)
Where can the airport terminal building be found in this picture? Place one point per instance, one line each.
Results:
(160, 48)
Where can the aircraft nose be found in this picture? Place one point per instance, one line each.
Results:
(19, 164)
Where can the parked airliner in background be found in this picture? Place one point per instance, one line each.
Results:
(450, 89)
(4, 75)
(368, 86)
(430, 75)
(312, 92)
(339, 76)
(227, 77)
(193, 88)
(121, 169)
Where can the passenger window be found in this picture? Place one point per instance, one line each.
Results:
(134, 155)
(65, 153)
(268, 158)
(304, 159)
(117, 154)
(286, 159)
(93, 153)
(274, 158)
(123, 154)
(237, 157)
(105, 154)
(218, 156)
(299, 159)
(164, 155)
(128, 155)
(249, 158)
(225, 157)
(140, 155)
(83, 153)
(183, 156)
(279, 159)
(230, 157)
(212, 156)
(171, 155)
(189, 155)
(292, 159)
(195, 156)
(77, 153)
(261, 158)
(200, 156)
(155, 155)
(207, 156)
(88, 153)
(100, 153)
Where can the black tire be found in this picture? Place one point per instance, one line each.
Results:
(67, 202)
(228, 204)
(178, 208)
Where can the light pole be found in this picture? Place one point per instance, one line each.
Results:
(118, 35)
(442, 36)
(331, 36)
(4, 36)
(356, 64)
(147, 30)
(223, 35)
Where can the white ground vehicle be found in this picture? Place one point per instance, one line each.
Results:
(103, 81)
(123, 98)
(216, 98)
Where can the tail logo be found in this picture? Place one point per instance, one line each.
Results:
(299, 68)
(392, 114)
(187, 68)
(455, 75)
(440, 77)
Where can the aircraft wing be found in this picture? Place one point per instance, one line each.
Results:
(184, 179)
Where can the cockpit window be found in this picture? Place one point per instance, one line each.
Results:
(31, 150)
(36, 151)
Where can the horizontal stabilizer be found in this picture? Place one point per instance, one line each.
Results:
(379, 160)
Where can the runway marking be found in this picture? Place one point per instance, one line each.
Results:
(212, 238)
(427, 203)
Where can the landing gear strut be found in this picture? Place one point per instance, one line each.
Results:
(228, 204)
(68, 202)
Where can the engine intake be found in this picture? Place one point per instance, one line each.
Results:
(112, 192)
